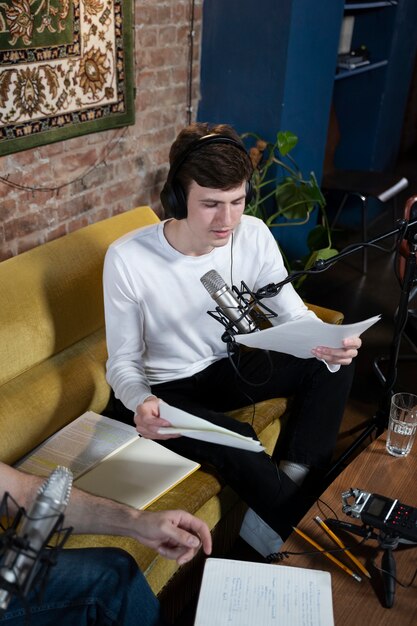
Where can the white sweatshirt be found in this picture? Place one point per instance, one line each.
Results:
(157, 324)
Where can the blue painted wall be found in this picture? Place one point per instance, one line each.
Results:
(269, 65)
(310, 66)
(244, 52)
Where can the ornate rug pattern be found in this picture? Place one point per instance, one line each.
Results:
(66, 69)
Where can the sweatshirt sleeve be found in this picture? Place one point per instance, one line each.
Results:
(124, 334)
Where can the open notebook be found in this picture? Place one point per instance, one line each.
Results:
(109, 459)
(242, 593)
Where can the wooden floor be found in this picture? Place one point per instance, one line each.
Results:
(345, 288)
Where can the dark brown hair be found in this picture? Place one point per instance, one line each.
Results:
(215, 165)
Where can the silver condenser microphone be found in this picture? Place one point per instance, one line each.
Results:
(20, 564)
(227, 302)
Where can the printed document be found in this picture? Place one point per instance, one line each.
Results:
(188, 425)
(241, 593)
(299, 337)
(79, 446)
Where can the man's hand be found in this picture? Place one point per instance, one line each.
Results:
(148, 421)
(176, 535)
(339, 356)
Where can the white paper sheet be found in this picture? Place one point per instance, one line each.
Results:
(188, 425)
(241, 593)
(301, 336)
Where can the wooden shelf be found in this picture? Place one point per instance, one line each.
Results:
(358, 6)
(360, 70)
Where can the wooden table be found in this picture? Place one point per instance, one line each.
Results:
(361, 603)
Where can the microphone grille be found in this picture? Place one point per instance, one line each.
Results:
(212, 281)
(58, 485)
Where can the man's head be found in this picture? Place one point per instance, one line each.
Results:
(213, 157)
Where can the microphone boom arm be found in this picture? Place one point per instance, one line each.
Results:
(273, 289)
(252, 305)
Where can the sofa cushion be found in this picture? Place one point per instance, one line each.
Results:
(51, 296)
(34, 405)
(53, 349)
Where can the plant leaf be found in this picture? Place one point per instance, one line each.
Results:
(286, 141)
(278, 177)
(295, 200)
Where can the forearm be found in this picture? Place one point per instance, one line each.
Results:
(90, 514)
(174, 534)
(85, 512)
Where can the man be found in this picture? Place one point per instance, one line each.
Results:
(163, 345)
(102, 586)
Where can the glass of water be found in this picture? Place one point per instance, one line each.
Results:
(402, 424)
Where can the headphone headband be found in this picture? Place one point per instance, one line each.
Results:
(210, 139)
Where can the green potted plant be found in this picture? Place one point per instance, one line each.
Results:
(283, 197)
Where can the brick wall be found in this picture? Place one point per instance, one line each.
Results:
(131, 162)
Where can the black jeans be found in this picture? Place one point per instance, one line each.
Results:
(309, 436)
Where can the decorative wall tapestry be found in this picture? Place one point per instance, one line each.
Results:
(66, 69)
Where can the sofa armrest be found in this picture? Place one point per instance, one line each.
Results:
(327, 315)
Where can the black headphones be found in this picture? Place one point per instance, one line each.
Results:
(172, 196)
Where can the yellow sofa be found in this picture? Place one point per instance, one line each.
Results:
(52, 369)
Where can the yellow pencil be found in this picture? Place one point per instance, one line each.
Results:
(341, 545)
(329, 556)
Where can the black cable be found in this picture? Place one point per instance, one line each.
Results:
(320, 502)
(279, 556)
(384, 571)
(191, 34)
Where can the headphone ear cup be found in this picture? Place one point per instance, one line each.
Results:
(180, 201)
(174, 201)
(168, 200)
(249, 192)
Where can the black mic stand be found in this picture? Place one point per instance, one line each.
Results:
(42, 559)
(388, 543)
(389, 569)
(378, 422)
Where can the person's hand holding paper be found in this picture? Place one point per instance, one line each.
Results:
(183, 423)
(305, 337)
